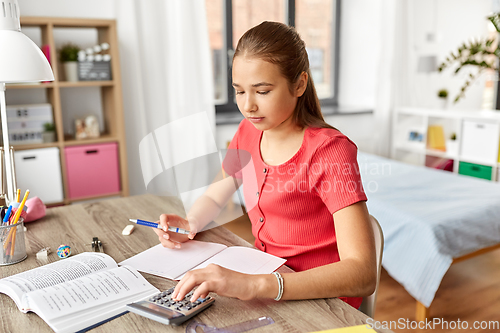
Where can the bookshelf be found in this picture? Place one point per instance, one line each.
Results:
(110, 93)
(476, 145)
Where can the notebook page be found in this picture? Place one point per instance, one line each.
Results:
(171, 263)
(245, 260)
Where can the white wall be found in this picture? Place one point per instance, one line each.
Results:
(103, 9)
(452, 22)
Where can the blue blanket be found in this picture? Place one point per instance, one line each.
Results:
(428, 217)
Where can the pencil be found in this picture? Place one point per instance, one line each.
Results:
(21, 206)
(16, 220)
(18, 194)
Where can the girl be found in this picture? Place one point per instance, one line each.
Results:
(308, 205)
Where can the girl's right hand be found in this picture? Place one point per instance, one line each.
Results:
(172, 240)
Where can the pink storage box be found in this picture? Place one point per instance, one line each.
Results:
(92, 170)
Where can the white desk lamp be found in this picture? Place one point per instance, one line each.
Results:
(21, 60)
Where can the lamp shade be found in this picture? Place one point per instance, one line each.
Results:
(21, 60)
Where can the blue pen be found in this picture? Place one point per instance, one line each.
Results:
(7, 214)
(158, 226)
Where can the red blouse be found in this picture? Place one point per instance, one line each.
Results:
(291, 205)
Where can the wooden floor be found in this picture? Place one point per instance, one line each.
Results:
(469, 292)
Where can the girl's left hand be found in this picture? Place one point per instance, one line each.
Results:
(214, 278)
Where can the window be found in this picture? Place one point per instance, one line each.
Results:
(317, 21)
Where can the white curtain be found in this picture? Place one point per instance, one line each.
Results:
(167, 92)
(392, 77)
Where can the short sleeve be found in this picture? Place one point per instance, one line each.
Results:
(334, 174)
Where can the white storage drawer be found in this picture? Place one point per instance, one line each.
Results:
(480, 141)
(39, 170)
(26, 122)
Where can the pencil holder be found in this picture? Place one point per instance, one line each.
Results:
(13, 246)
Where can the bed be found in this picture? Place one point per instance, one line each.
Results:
(430, 219)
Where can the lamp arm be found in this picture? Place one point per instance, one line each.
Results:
(11, 191)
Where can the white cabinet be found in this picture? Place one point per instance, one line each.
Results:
(480, 141)
(39, 170)
(474, 150)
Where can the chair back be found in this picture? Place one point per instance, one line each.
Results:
(368, 305)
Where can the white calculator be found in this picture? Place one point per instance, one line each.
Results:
(162, 308)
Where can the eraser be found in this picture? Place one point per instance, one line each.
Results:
(128, 230)
(43, 253)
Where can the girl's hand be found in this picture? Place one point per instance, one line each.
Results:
(214, 278)
(172, 240)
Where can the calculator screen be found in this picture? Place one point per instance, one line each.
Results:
(166, 313)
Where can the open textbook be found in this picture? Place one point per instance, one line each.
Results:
(174, 263)
(78, 292)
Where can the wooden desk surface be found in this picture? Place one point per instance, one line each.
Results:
(75, 225)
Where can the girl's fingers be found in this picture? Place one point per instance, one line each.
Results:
(167, 242)
(202, 291)
(179, 292)
(159, 232)
(192, 232)
(177, 288)
(177, 237)
(188, 282)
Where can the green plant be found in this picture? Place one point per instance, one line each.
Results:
(49, 127)
(69, 52)
(482, 53)
(443, 93)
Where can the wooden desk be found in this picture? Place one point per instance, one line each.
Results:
(75, 226)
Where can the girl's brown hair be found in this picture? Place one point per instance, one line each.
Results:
(281, 45)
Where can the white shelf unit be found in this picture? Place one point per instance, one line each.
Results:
(476, 145)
